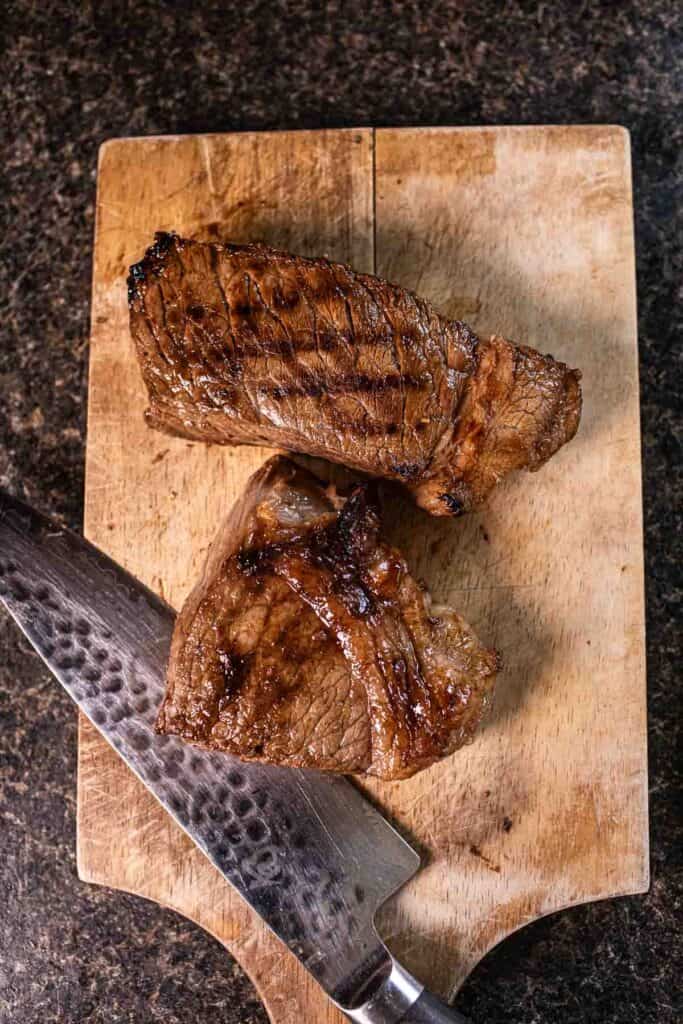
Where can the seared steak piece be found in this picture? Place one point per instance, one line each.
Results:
(242, 344)
(308, 643)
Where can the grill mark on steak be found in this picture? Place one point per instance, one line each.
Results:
(395, 352)
(234, 669)
(307, 643)
(294, 346)
(313, 386)
(307, 355)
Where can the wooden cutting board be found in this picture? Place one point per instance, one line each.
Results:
(524, 231)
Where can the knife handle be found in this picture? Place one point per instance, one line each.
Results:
(430, 1010)
(401, 999)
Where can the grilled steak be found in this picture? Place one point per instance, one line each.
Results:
(308, 643)
(242, 344)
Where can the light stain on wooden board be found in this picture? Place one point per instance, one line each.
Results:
(526, 231)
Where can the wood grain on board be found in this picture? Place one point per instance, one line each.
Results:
(523, 231)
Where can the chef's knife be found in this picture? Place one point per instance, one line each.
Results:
(307, 851)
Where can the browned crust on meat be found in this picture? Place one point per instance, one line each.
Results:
(308, 643)
(245, 344)
(488, 441)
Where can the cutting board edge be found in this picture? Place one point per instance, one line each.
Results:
(638, 890)
(90, 877)
(638, 878)
(596, 126)
(639, 884)
(116, 140)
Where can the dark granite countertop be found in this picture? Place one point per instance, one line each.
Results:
(76, 74)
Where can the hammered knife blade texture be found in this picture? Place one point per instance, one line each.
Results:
(307, 851)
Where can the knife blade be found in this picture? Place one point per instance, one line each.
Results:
(307, 851)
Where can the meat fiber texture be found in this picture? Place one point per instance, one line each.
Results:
(307, 642)
(243, 344)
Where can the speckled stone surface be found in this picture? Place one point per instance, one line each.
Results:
(76, 74)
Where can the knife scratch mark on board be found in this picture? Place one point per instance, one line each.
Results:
(206, 158)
